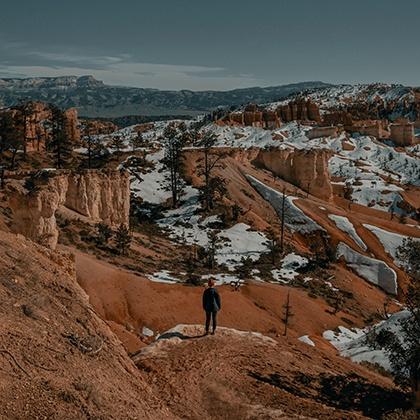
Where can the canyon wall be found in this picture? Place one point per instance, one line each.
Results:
(307, 169)
(101, 196)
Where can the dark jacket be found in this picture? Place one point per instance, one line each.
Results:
(211, 300)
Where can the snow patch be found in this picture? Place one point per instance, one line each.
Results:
(352, 343)
(371, 269)
(344, 224)
(305, 339)
(390, 241)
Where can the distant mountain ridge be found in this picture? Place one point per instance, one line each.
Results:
(93, 98)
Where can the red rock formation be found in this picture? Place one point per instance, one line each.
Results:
(307, 169)
(337, 118)
(37, 121)
(96, 127)
(253, 117)
(142, 128)
(402, 133)
(100, 196)
(72, 125)
(299, 110)
(376, 128)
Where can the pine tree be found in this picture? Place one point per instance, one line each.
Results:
(59, 143)
(212, 247)
(137, 141)
(172, 160)
(123, 239)
(104, 233)
(273, 245)
(117, 143)
(26, 109)
(11, 136)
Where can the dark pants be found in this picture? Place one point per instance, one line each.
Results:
(212, 315)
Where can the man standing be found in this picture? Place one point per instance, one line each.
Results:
(211, 305)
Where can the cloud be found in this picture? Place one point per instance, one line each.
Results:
(121, 70)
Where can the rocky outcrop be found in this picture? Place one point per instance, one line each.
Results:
(252, 116)
(307, 169)
(299, 110)
(402, 133)
(34, 212)
(376, 128)
(98, 196)
(38, 119)
(72, 125)
(96, 127)
(343, 118)
(317, 132)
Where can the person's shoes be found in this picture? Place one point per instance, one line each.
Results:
(206, 333)
(212, 333)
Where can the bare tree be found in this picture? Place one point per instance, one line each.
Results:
(287, 313)
(283, 214)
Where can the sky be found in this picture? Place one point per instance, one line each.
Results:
(213, 44)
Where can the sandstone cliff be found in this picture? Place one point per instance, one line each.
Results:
(98, 196)
(299, 110)
(307, 169)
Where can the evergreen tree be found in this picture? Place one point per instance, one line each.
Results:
(104, 233)
(11, 136)
(26, 109)
(117, 143)
(123, 239)
(273, 245)
(59, 143)
(137, 141)
(172, 160)
(212, 247)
